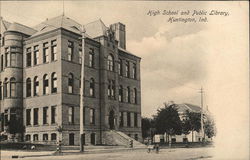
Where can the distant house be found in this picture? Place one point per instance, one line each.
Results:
(197, 136)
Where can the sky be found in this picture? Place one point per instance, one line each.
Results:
(177, 58)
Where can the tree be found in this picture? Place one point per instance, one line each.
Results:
(167, 120)
(209, 127)
(192, 122)
(145, 126)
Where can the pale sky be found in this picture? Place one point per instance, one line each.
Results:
(177, 58)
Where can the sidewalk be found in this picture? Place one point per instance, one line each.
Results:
(8, 154)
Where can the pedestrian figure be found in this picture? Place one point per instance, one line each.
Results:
(58, 148)
(157, 148)
(149, 148)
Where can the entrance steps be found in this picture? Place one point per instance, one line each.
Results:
(118, 138)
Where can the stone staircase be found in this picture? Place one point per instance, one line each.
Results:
(120, 139)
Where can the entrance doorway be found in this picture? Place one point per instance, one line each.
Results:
(92, 138)
(111, 120)
(71, 139)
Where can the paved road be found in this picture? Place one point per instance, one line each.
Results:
(164, 154)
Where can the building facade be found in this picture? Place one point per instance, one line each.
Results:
(41, 77)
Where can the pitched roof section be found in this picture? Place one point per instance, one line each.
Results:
(190, 107)
(16, 27)
(58, 22)
(96, 29)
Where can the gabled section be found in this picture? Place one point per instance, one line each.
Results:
(96, 29)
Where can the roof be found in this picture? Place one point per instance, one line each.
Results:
(58, 22)
(127, 52)
(21, 28)
(190, 107)
(96, 28)
(16, 27)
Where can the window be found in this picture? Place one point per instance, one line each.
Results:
(121, 119)
(1, 62)
(45, 137)
(13, 59)
(71, 115)
(135, 96)
(28, 57)
(27, 137)
(46, 52)
(45, 115)
(35, 137)
(54, 83)
(134, 71)
(128, 119)
(113, 89)
(92, 87)
(45, 84)
(70, 50)
(120, 94)
(91, 57)
(92, 116)
(28, 117)
(5, 89)
(28, 87)
(36, 86)
(53, 114)
(36, 55)
(109, 88)
(135, 120)
(53, 50)
(6, 59)
(1, 93)
(110, 63)
(127, 69)
(80, 52)
(35, 120)
(53, 137)
(70, 83)
(120, 67)
(12, 87)
(128, 94)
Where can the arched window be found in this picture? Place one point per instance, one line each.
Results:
(45, 84)
(128, 94)
(36, 86)
(12, 87)
(120, 94)
(70, 83)
(28, 87)
(5, 89)
(92, 87)
(54, 83)
(110, 63)
(135, 96)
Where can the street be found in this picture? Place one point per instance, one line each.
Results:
(169, 154)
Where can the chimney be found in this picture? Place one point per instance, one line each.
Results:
(120, 34)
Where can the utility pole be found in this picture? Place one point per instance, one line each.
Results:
(82, 90)
(202, 127)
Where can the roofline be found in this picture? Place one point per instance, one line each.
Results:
(123, 51)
